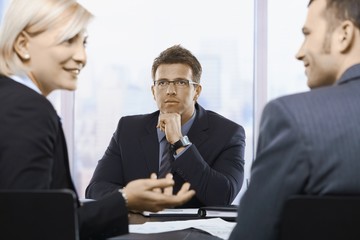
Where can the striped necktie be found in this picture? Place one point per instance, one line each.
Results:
(166, 160)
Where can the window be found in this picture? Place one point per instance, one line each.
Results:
(285, 73)
(124, 39)
(126, 36)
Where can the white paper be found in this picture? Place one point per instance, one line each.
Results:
(214, 226)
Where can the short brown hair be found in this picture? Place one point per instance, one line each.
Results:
(178, 54)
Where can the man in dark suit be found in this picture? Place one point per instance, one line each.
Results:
(208, 148)
(309, 142)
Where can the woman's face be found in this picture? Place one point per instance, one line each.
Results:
(55, 65)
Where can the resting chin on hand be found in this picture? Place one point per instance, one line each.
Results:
(155, 194)
(170, 124)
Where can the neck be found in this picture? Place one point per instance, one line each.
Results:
(187, 115)
(37, 83)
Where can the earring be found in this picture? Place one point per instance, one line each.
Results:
(26, 56)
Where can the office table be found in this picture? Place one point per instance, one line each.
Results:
(137, 218)
(188, 234)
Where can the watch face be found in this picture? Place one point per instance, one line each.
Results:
(185, 141)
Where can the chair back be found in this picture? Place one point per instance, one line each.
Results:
(38, 214)
(321, 217)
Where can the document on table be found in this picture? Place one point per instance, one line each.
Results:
(214, 226)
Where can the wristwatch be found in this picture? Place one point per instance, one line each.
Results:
(183, 142)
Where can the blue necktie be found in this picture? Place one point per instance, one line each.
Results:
(166, 160)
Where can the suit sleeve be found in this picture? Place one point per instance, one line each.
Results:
(107, 177)
(279, 171)
(104, 218)
(216, 176)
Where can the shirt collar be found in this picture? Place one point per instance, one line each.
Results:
(184, 128)
(25, 80)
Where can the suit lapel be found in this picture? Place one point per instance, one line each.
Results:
(150, 144)
(197, 133)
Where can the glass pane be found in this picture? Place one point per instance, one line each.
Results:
(124, 39)
(285, 73)
(3, 6)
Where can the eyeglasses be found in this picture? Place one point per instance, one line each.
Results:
(180, 83)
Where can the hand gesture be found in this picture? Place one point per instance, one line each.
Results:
(155, 194)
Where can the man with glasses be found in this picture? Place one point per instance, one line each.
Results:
(182, 138)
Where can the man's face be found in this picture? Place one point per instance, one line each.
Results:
(317, 52)
(174, 99)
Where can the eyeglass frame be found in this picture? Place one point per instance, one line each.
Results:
(175, 82)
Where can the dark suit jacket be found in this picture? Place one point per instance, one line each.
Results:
(214, 164)
(33, 155)
(308, 144)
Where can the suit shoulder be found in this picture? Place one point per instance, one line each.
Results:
(15, 96)
(309, 99)
(138, 121)
(218, 118)
(139, 117)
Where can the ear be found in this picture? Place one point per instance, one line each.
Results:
(198, 89)
(346, 36)
(153, 93)
(21, 46)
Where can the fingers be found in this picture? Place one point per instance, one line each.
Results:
(176, 200)
(161, 125)
(150, 184)
(168, 190)
(167, 119)
(161, 122)
(184, 188)
(184, 194)
(154, 176)
(186, 197)
(170, 200)
(156, 194)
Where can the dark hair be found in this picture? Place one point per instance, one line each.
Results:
(339, 10)
(178, 54)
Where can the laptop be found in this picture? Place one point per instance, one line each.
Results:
(38, 214)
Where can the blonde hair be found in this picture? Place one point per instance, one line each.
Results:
(35, 17)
